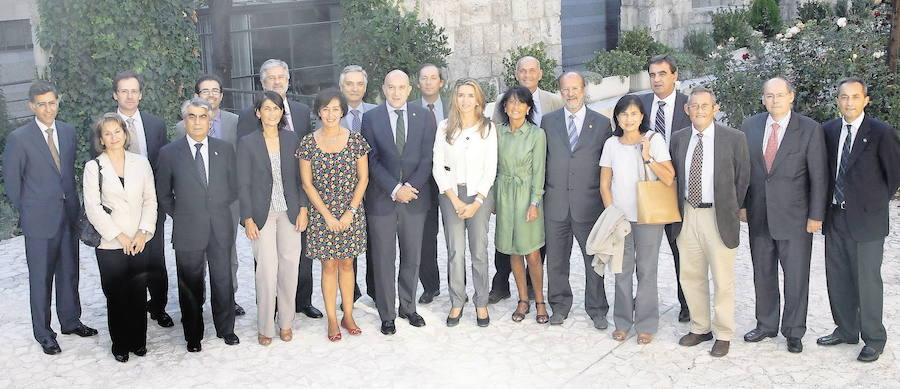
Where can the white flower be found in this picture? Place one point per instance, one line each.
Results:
(854, 56)
(731, 39)
(877, 2)
(878, 54)
(841, 22)
(800, 25)
(779, 36)
(719, 46)
(793, 30)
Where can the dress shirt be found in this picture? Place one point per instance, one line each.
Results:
(669, 110)
(707, 175)
(392, 117)
(783, 123)
(854, 129)
(438, 109)
(138, 129)
(539, 110)
(44, 133)
(579, 119)
(215, 128)
(204, 151)
(471, 160)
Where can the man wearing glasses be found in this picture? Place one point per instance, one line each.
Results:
(223, 125)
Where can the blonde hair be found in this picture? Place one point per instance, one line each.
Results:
(454, 120)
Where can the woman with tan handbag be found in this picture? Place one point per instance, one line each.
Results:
(628, 157)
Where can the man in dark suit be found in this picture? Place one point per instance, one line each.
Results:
(667, 115)
(39, 177)
(863, 156)
(785, 205)
(149, 135)
(274, 75)
(223, 125)
(575, 138)
(398, 196)
(713, 171)
(196, 185)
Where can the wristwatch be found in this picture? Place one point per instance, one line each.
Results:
(648, 161)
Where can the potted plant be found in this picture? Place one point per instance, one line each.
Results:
(613, 70)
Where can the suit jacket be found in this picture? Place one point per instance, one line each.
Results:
(387, 167)
(347, 120)
(680, 118)
(549, 102)
(41, 193)
(199, 213)
(254, 175)
(228, 129)
(795, 189)
(731, 169)
(871, 178)
(248, 122)
(155, 134)
(133, 205)
(573, 178)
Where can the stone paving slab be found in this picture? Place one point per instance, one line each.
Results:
(506, 354)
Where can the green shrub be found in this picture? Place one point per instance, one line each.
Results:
(699, 43)
(380, 37)
(856, 7)
(616, 63)
(538, 51)
(690, 65)
(814, 10)
(7, 213)
(489, 88)
(731, 23)
(640, 43)
(764, 16)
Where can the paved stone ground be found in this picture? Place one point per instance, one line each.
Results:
(506, 354)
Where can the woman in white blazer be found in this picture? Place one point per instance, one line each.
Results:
(465, 166)
(125, 216)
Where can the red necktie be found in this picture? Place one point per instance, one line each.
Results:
(771, 147)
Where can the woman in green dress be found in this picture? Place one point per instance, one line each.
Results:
(519, 194)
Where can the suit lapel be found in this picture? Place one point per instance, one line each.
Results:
(860, 141)
(412, 136)
(560, 132)
(791, 138)
(188, 155)
(387, 131)
(755, 139)
(39, 139)
(588, 132)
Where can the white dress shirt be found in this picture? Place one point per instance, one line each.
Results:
(138, 129)
(854, 129)
(44, 133)
(392, 117)
(783, 123)
(471, 160)
(204, 151)
(438, 109)
(707, 175)
(668, 110)
(538, 109)
(579, 119)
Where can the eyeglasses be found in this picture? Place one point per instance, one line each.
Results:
(700, 107)
(45, 104)
(771, 96)
(207, 92)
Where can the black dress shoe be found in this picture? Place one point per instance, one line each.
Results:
(121, 357)
(310, 312)
(496, 295)
(163, 319)
(239, 310)
(414, 319)
(388, 328)
(50, 347)
(794, 345)
(140, 351)
(427, 297)
(868, 354)
(831, 340)
(82, 331)
(483, 322)
(231, 339)
(684, 315)
(757, 334)
(194, 347)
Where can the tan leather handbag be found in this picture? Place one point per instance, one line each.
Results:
(657, 203)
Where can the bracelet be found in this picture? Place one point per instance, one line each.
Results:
(479, 200)
(353, 210)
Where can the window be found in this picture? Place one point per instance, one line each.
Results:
(15, 35)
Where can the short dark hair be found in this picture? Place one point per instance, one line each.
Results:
(426, 65)
(623, 104)
(656, 59)
(698, 90)
(40, 87)
(124, 75)
(207, 77)
(523, 95)
(324, 98)
(852, 80)
(97, 131)
(276, 99)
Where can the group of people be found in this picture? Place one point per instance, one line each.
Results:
(373, 178)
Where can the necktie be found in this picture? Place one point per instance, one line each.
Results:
(842, 168)
(771, 147)
(695, 182)
(200, 164)
(357, 121)
(573, 132)
(290, 123)
(431, 108)
(134, 145)
(660, 123)
(401, 131)
(53, 152)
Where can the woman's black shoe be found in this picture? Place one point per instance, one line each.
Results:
(453, 321)
(483, 322)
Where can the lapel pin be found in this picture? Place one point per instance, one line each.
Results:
(590, 126)
(414, 114)
(215, 153)
(865, 140)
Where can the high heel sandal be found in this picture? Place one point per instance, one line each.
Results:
(519, 316)
(541, 319)
(352, 331)
(619, 335)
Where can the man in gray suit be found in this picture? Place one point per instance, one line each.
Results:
(785, 205)
(224, 127)
(667, 115)
(575, 138)
(39, 177)
(528, 75)
(713, 170)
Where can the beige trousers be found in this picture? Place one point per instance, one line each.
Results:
(702, 252)
(277, 252)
